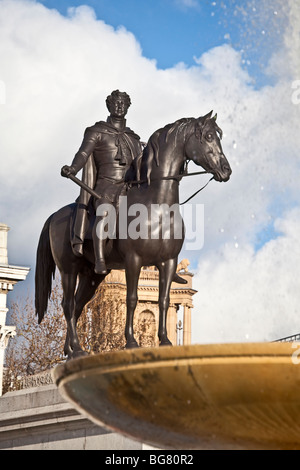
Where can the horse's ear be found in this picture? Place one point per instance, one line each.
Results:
(215, 117)
(202, 119)
(208, 116)
(200, 123)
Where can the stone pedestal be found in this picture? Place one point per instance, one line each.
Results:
(38, 418)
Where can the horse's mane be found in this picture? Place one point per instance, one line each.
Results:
(166, 135)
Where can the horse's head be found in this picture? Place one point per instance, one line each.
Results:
(204, 148)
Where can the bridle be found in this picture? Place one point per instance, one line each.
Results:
(176, 178)
(179, 177)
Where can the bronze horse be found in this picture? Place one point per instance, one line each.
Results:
(157, 173)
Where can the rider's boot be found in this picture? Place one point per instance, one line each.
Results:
(79, 229)
(100, 266)
(99, 246)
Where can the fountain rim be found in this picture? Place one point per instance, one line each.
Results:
(144, 356)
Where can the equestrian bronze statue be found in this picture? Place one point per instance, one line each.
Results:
(135, 190)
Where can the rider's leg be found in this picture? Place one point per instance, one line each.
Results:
(79, 228)
(99, 240)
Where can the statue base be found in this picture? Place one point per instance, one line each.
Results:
(220, 396)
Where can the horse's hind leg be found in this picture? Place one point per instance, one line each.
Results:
(72, 346)
(167, 270)
(133, 268)
(87, 286)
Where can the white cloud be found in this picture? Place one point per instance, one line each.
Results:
(251, 296)
(57, 72)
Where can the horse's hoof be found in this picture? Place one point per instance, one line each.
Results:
(165, 342)
(77, 354)
(132, 344)
(179, 280)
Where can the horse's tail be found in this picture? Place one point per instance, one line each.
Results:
(44, 272)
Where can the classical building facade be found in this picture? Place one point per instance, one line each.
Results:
(147, 311)
(9, 276)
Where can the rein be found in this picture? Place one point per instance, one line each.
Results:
(177, 178)
(197, 192)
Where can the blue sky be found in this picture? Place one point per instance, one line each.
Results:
(174, 31)
(167, 31)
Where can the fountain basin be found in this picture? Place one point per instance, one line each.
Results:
(220, 396)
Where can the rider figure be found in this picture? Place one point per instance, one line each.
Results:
(105, 155)
(107, 151)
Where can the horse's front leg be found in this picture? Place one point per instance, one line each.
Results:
(167, 271)
(132, 268)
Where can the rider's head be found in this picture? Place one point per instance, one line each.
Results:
(118, 103)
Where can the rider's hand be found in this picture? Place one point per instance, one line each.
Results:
(66, 171)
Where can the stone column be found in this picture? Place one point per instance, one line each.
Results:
(171, 324)
(9, 276)
(3, 244)
(3, 310)
(187, 325)
(6, 332)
